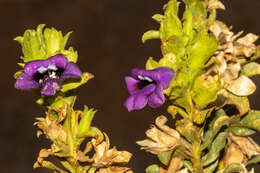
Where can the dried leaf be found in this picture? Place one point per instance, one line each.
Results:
(105, 157)
(216, 4)
(246, 145)
(162, 140)
(243, 86)
(234, 155)
(115, 169)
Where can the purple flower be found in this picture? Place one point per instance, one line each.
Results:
(146, 86)
(46, 74)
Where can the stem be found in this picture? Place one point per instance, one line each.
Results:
(196, 161)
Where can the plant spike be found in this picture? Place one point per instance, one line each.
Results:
(210, 90)
(50, 70)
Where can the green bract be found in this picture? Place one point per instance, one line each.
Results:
(42, 44)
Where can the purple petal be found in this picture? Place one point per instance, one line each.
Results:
(50, 86)
(157, 98)
(26, 82)
(161, 75)
(140, 99)
(129, 103)
(58, 60)
(131, 84)
(71, 71)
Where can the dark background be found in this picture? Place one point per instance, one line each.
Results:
(107, 35)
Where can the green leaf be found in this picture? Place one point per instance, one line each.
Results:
(215, 125)
(152, 169)
(211, 168)
(201, 116)
(205, 90)
(240, 102)
(203, 48)
(217, 145)
(171, 24)
(187, 164)
(186, 128)
(151, 64)
(85, 121)
(158, 18)
(254, 160)
(234, 168)
(252, 120)
(67, 165)
(173, 45)
(92, 170)
(152, 34)
(169, 60)
(251, 69)
(241, 131)
(181, 152)
(257, 54)
(187, 24)
(70, 84)
(165, 157)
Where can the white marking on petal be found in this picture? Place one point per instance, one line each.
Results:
(148, 79)
(52, 67)
(42, 70)
(140, 77)
(52, 74)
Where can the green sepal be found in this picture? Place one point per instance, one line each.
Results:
(72, 83)
(251, 120)
(152, 169)
(70, 54)
(18, 73)
(60, 101)
(165, 157)
(42, 44)
(85, 122)
(214, 151)
(242, 131)
(152, 34)
(234, 168)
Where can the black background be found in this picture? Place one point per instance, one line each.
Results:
(107, 35)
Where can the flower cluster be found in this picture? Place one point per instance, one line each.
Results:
(46, 74)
